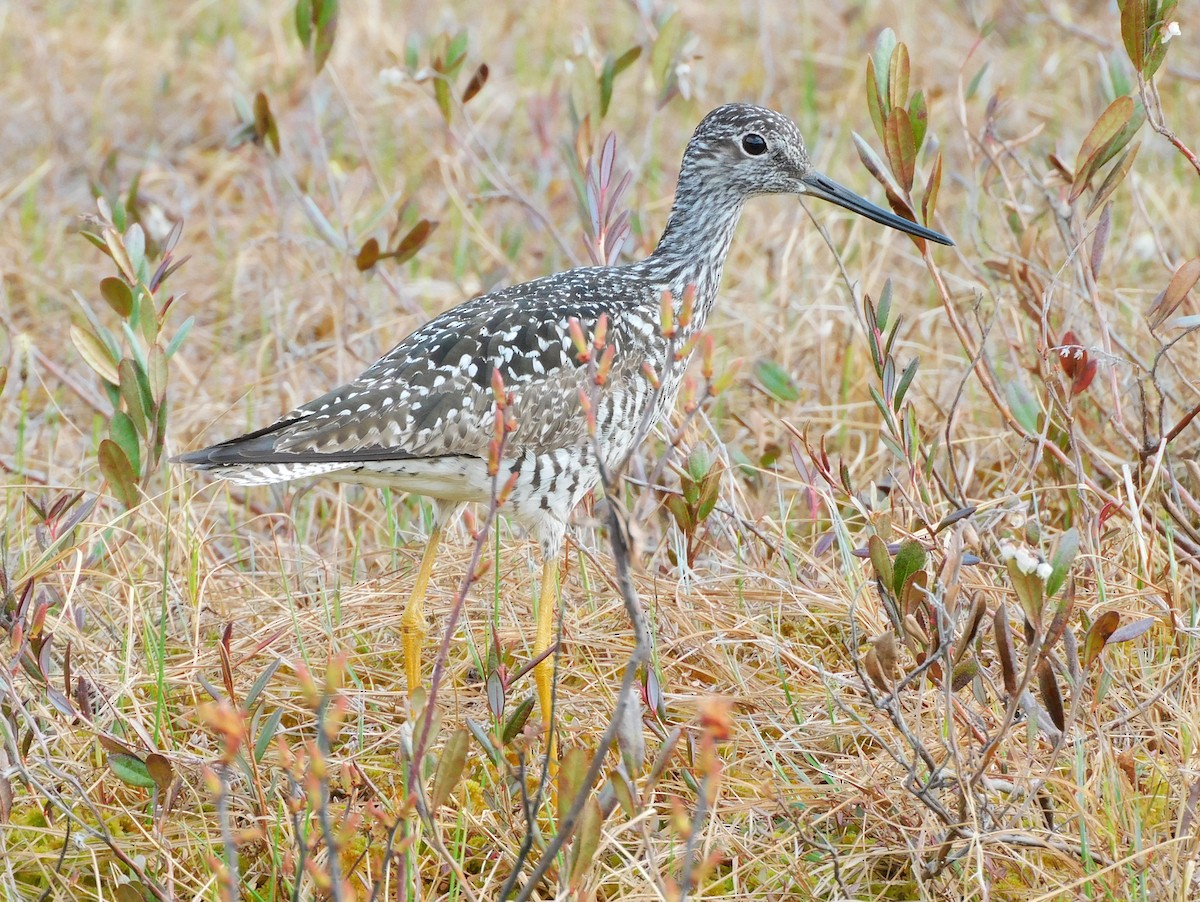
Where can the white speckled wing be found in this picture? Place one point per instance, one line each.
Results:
(431, 395)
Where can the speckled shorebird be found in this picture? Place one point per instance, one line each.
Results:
(421, 418)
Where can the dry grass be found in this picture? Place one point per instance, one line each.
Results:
(809, 801)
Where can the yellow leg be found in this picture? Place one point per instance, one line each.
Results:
(543, 674)
(413, 625)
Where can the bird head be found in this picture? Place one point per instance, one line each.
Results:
(749, 150)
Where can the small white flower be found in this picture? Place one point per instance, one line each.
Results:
(1171, 31)
(392, 77)
(1027, 563)
(1007, 550)
(1044, 570)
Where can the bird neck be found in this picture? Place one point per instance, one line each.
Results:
(695, 242)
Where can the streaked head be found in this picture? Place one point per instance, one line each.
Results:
(751, 150)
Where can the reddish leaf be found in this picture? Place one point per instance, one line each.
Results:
(475, 85)
(1084, 379)
(1181, 283)
(368, 255)
(1004, 649)
(160, 770)
(1111, 132)
(901, 146)
(1051, 697)
(1098, 635)
(413, 241)
(265, 129)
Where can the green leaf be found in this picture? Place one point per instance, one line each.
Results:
(456, 53)
(1061, 560)
(266, 732)
(898, 78)
(316, 26)
(304, 17)
(1030, 592)
(682, 513)
(882, 561)
(131, 770)
(484, 740)
(134, 394)
(1115, 176)
(135, 247)
(1108, 136)
(664, 55)
(1142, 22)
(156, 375)
(178, 338)
(122, 431)
(326, 25)
(626, 59)
(95, 354)
(909, 559)
(874, 103)
(963, 673)
(884, 308)
(115, 468)
(1024, 407)
(709, 493)
(585, 842)
(699, 463)
(517, 720)
(571, 773)
(260, 683)
(918, 116)
(906, 379)
(932, 185)
(116, 292)
(885, 46)
(976, 79)
(133, 891)
(450, 768)
(607, 74)
(776, 381)
(116, 249)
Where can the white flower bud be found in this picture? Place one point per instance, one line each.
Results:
(1027, 563)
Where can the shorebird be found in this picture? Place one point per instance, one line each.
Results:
(421, 418)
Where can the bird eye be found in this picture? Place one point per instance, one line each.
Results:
(755, 145)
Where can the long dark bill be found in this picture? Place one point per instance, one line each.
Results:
(817, 185)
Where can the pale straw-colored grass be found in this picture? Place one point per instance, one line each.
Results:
(809, 798)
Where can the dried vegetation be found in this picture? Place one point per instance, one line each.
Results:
(918, 554)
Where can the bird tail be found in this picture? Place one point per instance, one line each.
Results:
(253, 460)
